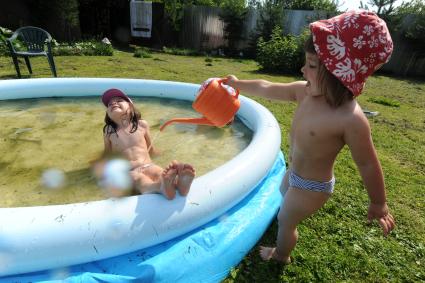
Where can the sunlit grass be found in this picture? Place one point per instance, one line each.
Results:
(336, 244)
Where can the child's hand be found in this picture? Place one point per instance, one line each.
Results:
(154, 152)
(230, 80)
(380, 212)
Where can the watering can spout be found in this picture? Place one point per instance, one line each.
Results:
(198, 121)
(216, 103)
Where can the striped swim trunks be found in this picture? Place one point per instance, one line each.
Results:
(315, 186)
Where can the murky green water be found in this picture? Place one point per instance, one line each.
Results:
(66, 134)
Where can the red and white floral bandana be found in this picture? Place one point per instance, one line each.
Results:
(352, 46)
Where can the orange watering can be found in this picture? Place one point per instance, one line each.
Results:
(217, 103)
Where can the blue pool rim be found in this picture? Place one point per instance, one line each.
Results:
(33, 240)
(206, 254)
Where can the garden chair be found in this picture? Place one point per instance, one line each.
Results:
(34, 40)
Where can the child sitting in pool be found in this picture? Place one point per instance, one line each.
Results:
(127, 134)
(340, 54)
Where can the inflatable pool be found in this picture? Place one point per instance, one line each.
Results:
(147, 238)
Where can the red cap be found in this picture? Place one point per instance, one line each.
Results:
(352, 46)
(113, 92)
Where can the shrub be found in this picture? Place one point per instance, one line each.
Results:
(102, 49)
(17, 43)
(86, 48)
(4, 34)
(142, 52)
(282, 54)
(180, 51)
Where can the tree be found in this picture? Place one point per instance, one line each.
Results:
(233, 15)
(59, 17)
(325, 5)
(384, 7)
(174, 9)
(415, 32)
(270, 16)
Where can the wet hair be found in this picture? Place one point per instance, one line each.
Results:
(110, 126)
(334, 91)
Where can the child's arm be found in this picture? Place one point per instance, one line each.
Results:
(148, 139)
(279, 91)
(107, 144)
(358, 138)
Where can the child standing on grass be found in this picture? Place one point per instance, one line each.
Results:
(340, 54)
(127, 134)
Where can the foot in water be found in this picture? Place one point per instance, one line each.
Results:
(168, 188)
(268, 253)
(186, 174)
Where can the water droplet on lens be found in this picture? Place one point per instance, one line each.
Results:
(116, 177)
(53, 178)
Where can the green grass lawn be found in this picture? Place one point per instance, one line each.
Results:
(336, 244)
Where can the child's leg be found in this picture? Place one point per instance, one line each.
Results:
(298, 204)
(267, 253)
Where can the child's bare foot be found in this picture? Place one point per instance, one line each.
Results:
(268, 253)
(186, 174)
(168, 182)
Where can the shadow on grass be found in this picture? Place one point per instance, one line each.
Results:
(124, 48)
(252, 268)
(411, 79)
(7, 77)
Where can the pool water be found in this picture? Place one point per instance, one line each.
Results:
(66, 134)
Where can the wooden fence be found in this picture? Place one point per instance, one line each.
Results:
(202, 29)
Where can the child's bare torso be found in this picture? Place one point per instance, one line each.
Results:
(131, 145)
(317, 136)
